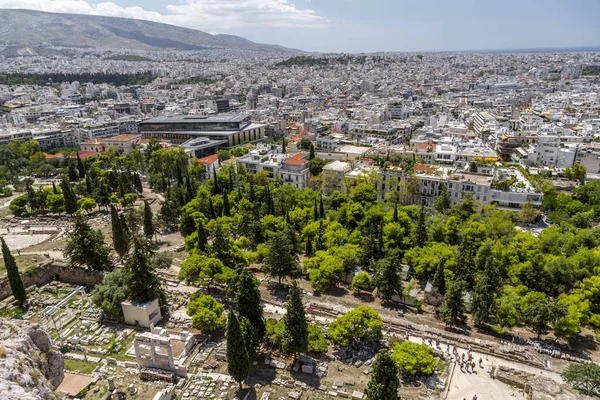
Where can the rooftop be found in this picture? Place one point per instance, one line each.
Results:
(209, 159)
(181, 119)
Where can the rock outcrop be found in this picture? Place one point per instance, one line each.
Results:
(29, 367)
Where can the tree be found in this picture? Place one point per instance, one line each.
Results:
(487, 288)
(295, 324)
(311, 152)
(539, 311)
(583, 377)
(361, 281)
(148, 221)
(138, 183)
(413, 358)
(87, 204)
(202, 239)
(161, 260)
(388, 279)
(85, 246)
(361, 323)
(56, 203)
(453, 307)
(384, 381)
(120, 237)
(528, 213)
(187, 225)
(316, 340)
(247, 302)
(304, 144)
(206, 312)
(439, 279)
(69, 196)
(109, 294)
(14, 277)
(143, 282)
(309, 248)
(281, 259)
(199, 268)
(80, 167)
(421, 231)
(238, 362)
(576, 172)
(442, 201)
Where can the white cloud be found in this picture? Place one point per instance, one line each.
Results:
(207, 15)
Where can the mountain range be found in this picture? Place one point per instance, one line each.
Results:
(30, 28)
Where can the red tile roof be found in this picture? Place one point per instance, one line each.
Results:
(424, 167)
(85, 154)
(209, 159)
(296, 159)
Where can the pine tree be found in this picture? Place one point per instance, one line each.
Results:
(421, 231)
(226, 207)
(238, 362)
(143, 282)
(54, 189)
(85, 246)
(80, 167)
(439, 279)
(395, 219)
(384, 381)
(295, 324)
(321, 208)
(311, 153)
(453, 308)
(187, 225)
(202, 239)
(247, 303)
(309, 249)
(14, 277)
(69, 196)
(148, 221)
(281, 259)
(119, 235)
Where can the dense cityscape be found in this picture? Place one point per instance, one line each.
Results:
(245, 223)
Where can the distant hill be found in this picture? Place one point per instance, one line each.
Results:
(25, 28)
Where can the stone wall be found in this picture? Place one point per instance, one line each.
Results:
(49, 271)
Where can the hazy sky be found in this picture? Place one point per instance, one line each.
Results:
(365, 25)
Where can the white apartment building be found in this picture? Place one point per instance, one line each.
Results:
(290, 168)
(8, 136)
(55, 138)
(99, 131)
(484, 121)
(294, 170)
(330, 142)
(547, 149)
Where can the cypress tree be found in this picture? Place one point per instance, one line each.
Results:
(80, 167)
(488, 285)
(54, 189)
(315, 212)
(238, 362)
(69, 196)
(311, 153)
(211, 208)
(309, 248)
(239, 194)
(189, 187)
(148, 221)
(72, 172)
(295, 324)
(179, 175)
(119, 235)
(231, 179)
(137, 181)
(202, 238)
(14, 278)
(384, 381)
(226, 207)
(252, 194)
(439, 279)
(421, 233)
(216, 189)
(388, 280)
(321, 208)
(283, 145)
(247, 303)
(395, 219)
(88, 185)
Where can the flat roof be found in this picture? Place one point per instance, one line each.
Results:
(182, 119)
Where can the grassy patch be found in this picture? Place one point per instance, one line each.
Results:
(498, 329)
(11, 313)
(85, 367)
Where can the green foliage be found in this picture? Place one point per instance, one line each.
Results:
(14, 277)
(583, 377)
(413, 358)
(425, 261)
(69, 197)
(361, 323)
(317, 344)
(576, 172)
(206, 312)
(238, 362)
(388, 280)
(143, 282)
(361, 281)
(148, 221)
(384, 381)
(453, 307)
(85, 246)
(120, 237)
(109, 294)
(295, 324)
(281, 259)
(539, 311)
(248, 305)
(205, 270)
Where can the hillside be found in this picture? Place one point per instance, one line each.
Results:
(34, 28)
